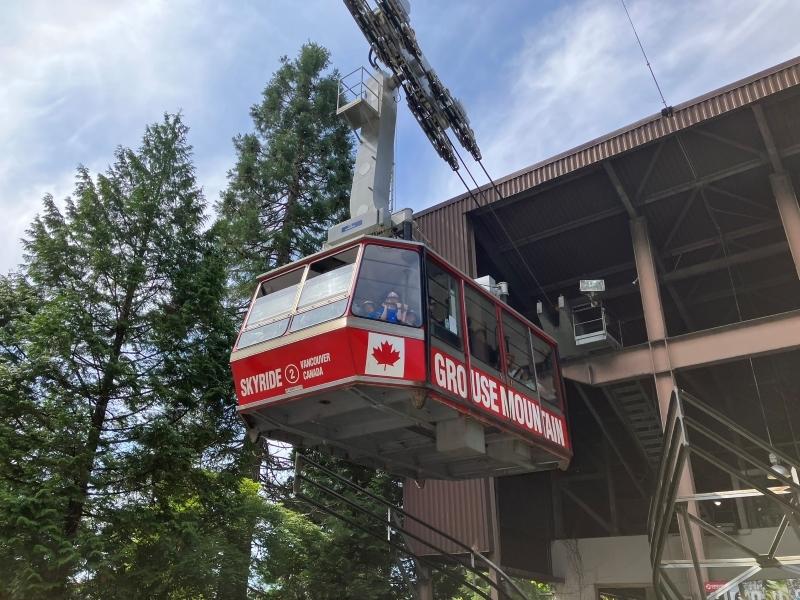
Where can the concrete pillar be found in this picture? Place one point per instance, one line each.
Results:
(656, 327)
(786, 199)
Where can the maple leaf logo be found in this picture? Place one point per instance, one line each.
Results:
(385, 355)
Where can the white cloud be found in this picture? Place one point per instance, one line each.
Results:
(580, 73)
(81, 78)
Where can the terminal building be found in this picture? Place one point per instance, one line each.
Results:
(688, 222)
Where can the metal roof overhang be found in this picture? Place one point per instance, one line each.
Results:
(700, 178)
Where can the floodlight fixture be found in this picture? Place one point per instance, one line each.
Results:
(592, 285)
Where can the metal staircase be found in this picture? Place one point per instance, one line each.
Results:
(763, 474)
(638, 413)
(363, 511)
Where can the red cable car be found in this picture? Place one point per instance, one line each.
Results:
(380, 351)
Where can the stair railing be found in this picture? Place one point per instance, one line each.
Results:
(687, 437)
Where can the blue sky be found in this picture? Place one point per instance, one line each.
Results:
(537, 77)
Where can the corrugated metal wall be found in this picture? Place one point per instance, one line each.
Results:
(459, 508)
(447, 231)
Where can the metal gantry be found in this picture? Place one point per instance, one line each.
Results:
(762, 469)
(388, 30)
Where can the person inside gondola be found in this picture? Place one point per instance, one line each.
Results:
(365, 308)
(412, 318)
(392, 310)
(519, 373)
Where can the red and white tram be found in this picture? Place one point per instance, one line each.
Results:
(380, 351)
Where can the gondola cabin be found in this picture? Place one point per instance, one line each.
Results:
(381, 352)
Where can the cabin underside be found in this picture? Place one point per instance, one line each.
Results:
(407, 431)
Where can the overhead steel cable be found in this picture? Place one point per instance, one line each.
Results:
(646, 60)
(387, 28)
(488, 205)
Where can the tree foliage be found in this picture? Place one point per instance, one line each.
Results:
(292, 175)
(124, 472)
(113, 358)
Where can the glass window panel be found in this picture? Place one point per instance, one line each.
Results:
(543, 357)
(388, 287)
(444, 314)
(275, 297)
(318, 315)
(328, 278)
(519, 358)
(482, 328)
(263, 333)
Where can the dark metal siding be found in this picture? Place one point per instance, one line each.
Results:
(459, 508)
(525, 507)
(448, 233)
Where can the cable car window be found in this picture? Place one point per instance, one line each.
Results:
(443, 306)
(545, 370)
(318, 315)
(519, 358)
(275, 297)
(388, 287)
(328, 278)
(482, 329)
(263, 333)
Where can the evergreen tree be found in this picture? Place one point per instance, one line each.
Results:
(115, 397)
(293, 173)
(291, 182)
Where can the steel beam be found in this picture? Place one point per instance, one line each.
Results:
(648, 199)
(736, 234)
(728, 142)
(623, 195)
(722, 263)
(588, 510)
(716, 176)
(765, 335)
(679, 221)
(610, 438)
(558, 229)
(786, 199)
(782, 188)
(664, 379)
(672, 252)
(651, 165)
(740, 198)
(648, 283)
(766, 134)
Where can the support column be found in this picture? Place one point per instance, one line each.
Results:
(656, 327)
(786, 199)
(424, 587)
(651, 305)
(648, 281)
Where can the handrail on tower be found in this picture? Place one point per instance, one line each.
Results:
(372, 110)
